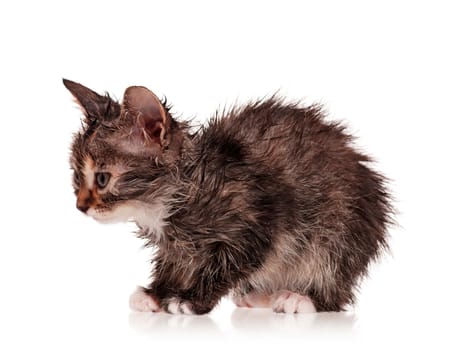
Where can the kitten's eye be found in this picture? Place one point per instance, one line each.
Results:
(102, 179)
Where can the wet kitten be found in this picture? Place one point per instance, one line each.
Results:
(268, 202)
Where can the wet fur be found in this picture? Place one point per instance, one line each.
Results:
(265, 197)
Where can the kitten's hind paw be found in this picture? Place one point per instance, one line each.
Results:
(252, 300)
(291, 303)
(142, 302)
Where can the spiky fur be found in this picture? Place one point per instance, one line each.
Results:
(266, 197)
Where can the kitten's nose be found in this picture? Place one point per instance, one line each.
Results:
(84, 199)
(83, 207)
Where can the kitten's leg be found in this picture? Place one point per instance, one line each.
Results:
(290, 303)
(196, 288)
(142, 300)
(195, 293)
(335, 301)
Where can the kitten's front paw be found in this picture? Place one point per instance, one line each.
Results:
(177, 306)
(291, 303)
(141, 301)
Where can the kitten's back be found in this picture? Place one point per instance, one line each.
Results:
(328, 210)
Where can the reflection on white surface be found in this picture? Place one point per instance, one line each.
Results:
(162, 323)
(265, 320)
(249, 322)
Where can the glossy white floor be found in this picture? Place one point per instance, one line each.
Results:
(397, 74)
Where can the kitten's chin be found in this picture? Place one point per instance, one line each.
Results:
(107, 220)
(114, 216)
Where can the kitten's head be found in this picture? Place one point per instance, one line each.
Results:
(124, 153)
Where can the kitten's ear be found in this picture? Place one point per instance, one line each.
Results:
(151, 121)
(94, 106)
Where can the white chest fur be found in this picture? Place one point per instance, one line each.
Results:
(152, 219)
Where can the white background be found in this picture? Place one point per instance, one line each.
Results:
(396, 72)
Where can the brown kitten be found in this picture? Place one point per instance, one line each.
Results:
(268, 202)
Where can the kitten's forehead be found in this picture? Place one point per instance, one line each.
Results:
(102, 153)
(104, 145)
(91, 142)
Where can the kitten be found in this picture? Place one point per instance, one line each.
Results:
(269, 202)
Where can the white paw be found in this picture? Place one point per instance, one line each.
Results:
(176, 306)
(141, 301)
(290, 303)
